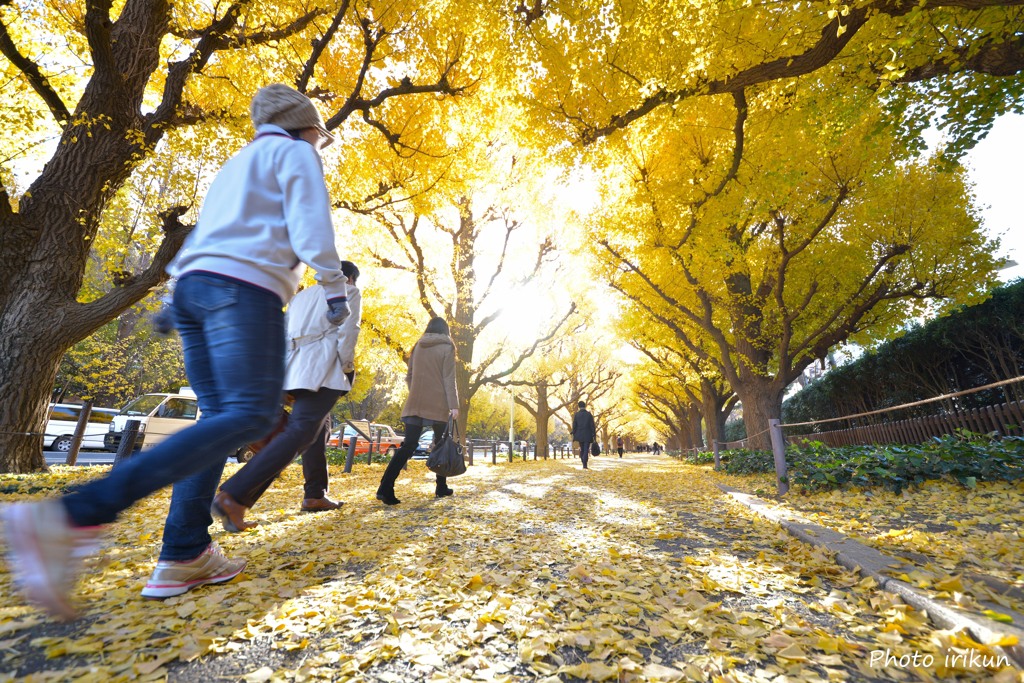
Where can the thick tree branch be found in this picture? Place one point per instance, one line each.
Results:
(833, 38)
(93, 315)
(995, 59)
(97, 32)
(178, 72)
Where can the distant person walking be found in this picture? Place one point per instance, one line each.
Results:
(584, 431)
(320, 367)
(433, 398)
(618, 445)
(266, 212)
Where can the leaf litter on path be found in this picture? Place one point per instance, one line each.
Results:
(636, 570)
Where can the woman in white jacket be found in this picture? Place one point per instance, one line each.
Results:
(320, 368)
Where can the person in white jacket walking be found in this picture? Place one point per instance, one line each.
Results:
(266, 213)
(320, 368)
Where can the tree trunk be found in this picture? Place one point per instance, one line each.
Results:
(28, 368)
(542, 416)
(693, 415)
(762, 401)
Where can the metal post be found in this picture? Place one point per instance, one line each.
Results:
(351, 455)
(469, 447)
(76, 440)
(511, 415)
(510, 451)
(718, 459)
(779, 451)
(127, 444)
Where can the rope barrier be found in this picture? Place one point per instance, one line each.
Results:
(728, 444)
(906, 405)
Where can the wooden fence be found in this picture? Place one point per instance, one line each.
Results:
(1006, 419)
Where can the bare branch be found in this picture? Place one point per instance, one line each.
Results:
(178, 72)
(319, 45)
(532, 13)
(35, 77)
(510, 226)
(491, 379)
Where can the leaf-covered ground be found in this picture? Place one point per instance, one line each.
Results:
(964, 540)
(638, 569)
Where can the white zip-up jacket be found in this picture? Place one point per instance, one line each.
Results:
(319, 352)
(267, 213)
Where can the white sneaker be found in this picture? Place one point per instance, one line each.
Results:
(45, 553)
(174, 578)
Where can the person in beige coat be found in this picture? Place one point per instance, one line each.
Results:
(320, 367)
(433, 398)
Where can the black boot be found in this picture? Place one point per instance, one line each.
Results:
(443, 493)
(387, 497)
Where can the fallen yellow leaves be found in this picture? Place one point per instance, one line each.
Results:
(640, 572)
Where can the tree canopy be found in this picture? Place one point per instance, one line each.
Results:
(761, 192)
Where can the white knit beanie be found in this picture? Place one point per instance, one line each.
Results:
(288, 108)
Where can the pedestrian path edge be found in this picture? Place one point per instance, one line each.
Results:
(870, 562)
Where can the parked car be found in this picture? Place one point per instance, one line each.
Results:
(388, 439)
(159, 416)
(63, 419)
(424, 445)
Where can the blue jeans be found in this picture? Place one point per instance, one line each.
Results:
(232, 335)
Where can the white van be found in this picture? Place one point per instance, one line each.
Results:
(159, 416)
(62, 421)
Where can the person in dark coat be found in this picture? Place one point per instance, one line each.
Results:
(584, 431)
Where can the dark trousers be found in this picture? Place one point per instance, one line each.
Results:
(305, 423)
(585, 452)
(405, 451)
(314, 464)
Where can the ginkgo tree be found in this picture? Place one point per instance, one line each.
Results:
(571, 368)
(766, 230)
(703, 386)
(460, 245)
(94, 93)
(955, 62)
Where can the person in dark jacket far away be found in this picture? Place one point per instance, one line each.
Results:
(584, 431)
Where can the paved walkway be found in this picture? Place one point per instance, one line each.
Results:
(640, 568)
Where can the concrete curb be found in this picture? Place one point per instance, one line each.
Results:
(870, 562)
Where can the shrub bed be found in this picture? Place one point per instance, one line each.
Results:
(966, 458)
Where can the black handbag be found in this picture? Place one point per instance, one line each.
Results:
(595, 448)
(446, 460)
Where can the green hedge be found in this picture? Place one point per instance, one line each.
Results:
(966, 458)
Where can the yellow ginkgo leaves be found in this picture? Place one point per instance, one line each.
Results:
(626, 575)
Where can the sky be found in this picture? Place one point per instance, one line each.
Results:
(995, 169)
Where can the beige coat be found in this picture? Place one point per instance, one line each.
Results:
(319, 352)
(431, 379)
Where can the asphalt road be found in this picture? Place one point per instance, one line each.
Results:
(84, 458)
